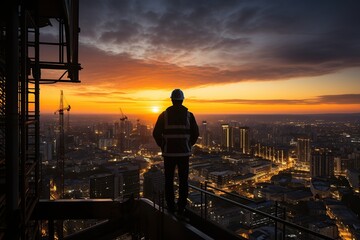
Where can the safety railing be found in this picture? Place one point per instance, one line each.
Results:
(249, 217)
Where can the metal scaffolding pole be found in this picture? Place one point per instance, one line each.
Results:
(12, 121)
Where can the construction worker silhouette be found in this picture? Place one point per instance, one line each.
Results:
(175, 132)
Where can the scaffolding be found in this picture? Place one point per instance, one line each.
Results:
(24, 65)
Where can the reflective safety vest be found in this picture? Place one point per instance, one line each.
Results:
(177, 137)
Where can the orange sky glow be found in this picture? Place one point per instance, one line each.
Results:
(134, 62)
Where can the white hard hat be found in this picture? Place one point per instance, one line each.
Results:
(177, 94)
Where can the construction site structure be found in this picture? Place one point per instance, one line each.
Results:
(123, 116)
(25, 63)
(60, 152)
(122, 135)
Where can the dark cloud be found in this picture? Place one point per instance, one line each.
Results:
(321, 49)
(124, 72)
(326, 99)
(122, 31)
(175, 31)
(112, 102)
(260, 40)
(97, 94)
(340, 99)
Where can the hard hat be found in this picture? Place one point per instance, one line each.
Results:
(177, 94)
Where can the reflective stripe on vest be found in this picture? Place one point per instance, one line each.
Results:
(182, 139)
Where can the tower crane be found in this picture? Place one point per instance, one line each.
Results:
(122, 135)
(61, 145)
(123, 117)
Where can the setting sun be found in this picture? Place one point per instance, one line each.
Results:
(155, 109)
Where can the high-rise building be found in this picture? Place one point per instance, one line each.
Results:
(124, 135)
(102, 186)
(204, 134)
(236, 138)
(226, 136)
(154, 181)
(116, 128)
(143, 133)
(322, 163)
(244, 140)
(303, 151)
(127, 181)
(257, 149)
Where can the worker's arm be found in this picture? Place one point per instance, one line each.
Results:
(194, 130)
(158, 130)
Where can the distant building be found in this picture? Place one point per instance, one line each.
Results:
(260, 167)
(205, 140)
(124, 135)
(226, 136)
(294, 197)
(244, 140)
(272, 192)
(322, 163)
(327, 228)
(102, 186)
(265, 232)
(347, 219)
(127, 181)
(154, 181)
(353, 176)
(195, 201)
(144, 133)
(277, 154)
(303, 151)
(221, 178)
(47, 150)
(254, 221)
(320, 188)
(105, 143)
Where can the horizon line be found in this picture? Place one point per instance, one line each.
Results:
(337, 113)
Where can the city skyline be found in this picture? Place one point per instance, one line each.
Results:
(265, 162)
(229, 57)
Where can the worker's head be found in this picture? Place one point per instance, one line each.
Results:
(177, 97)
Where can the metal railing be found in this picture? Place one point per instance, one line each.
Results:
(282, 229)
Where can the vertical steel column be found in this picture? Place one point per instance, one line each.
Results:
(12, 121)
(284, 226)
(206, 201)
(74, 74)
(37, 106)
(276, 223)
(201, 200)
(51, 229)
(22, 114)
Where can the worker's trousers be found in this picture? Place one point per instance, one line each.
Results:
(182, 164)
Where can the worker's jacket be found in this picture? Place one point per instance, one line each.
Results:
(176, 131)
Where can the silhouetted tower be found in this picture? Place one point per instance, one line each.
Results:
(204, 134)
(102, 186)
(322, 163)
(121, 144)
(226, 136)
(61, 146)
(303, 151)
(154, 182)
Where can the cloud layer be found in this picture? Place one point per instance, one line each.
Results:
(324, 99)
(166, 43)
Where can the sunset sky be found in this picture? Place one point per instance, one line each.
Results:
(228, 56)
